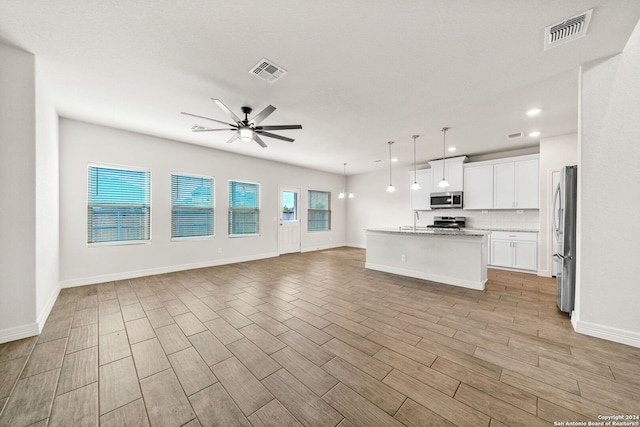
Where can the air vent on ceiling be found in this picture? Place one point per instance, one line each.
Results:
(515, 135)
(567, 30)
(267, 70)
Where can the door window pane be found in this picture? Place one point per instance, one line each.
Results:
(289, 206)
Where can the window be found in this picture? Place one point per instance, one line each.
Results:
(244, 208)
(119, 205)
(191, 206)
(319, 210)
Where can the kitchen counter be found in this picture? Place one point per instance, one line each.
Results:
(507, 229)
(453, 257)
(408, 229)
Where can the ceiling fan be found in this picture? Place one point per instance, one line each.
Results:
(247, 129)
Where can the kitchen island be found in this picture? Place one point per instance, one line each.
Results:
(454, 257)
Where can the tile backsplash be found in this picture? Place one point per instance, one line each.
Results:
(528, 219)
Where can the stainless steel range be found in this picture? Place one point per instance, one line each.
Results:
(448, 222)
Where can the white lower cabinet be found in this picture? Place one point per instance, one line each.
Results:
(514, 250)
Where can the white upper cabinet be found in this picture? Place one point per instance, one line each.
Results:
(515, 183)
(420, 200)
(509, 183)
(452, 172)
(478, 186)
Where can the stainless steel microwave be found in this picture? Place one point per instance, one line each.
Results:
(446, 200)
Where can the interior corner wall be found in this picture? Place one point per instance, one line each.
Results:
(47, 200)
(608, 198)
(18, 194)
(81, 143)
(555, 152)
(373, 206)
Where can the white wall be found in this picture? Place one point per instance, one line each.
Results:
(555, 153)
(608, 289)
(18, 195)
(81, 143)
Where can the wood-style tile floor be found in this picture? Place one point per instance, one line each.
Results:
(312, 339)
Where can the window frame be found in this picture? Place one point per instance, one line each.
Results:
(148, 206)
(311, 210)
(211, 209)
(231, 210)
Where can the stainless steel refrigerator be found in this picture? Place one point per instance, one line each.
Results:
(564, 228)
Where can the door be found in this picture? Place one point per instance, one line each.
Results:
(504, 185)
(525, 255)
(289, 220)
(526, 184)
(501, 253)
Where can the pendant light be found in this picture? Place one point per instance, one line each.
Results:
(390, 188)
(342, 195)
(443, 184)
(415, 185)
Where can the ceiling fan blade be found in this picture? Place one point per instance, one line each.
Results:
(198, 128)
(278, 127)
(233, 138)
(273, 135)
(226, 110)
(259, 140)
(262, 115)
(207, 118)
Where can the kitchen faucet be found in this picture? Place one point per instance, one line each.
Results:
(416, 217)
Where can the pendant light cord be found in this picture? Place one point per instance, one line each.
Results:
(415, 176)
(390, 142)
(444, 156)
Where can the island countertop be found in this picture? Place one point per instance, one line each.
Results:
(430, 231)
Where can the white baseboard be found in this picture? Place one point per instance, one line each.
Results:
(470, 284)
(19, 332)
(357, 245)
(621, 336)
(322, 248)
(44, 314)
(159, 270)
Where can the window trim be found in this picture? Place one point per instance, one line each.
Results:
(150, 206)
(257, 208)
(329, 210)
(213, 207)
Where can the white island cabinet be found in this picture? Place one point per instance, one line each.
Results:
(453, 257)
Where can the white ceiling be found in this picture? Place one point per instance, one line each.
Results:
(360, 72)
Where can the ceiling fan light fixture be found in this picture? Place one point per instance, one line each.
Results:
(246, 134)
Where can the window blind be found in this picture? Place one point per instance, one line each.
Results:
(192, 212)
(119, 204)
(319, 210)
(244, 208)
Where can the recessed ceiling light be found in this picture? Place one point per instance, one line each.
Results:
(533, 112)
(452, 149)
(534, 133)
(395, 159)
